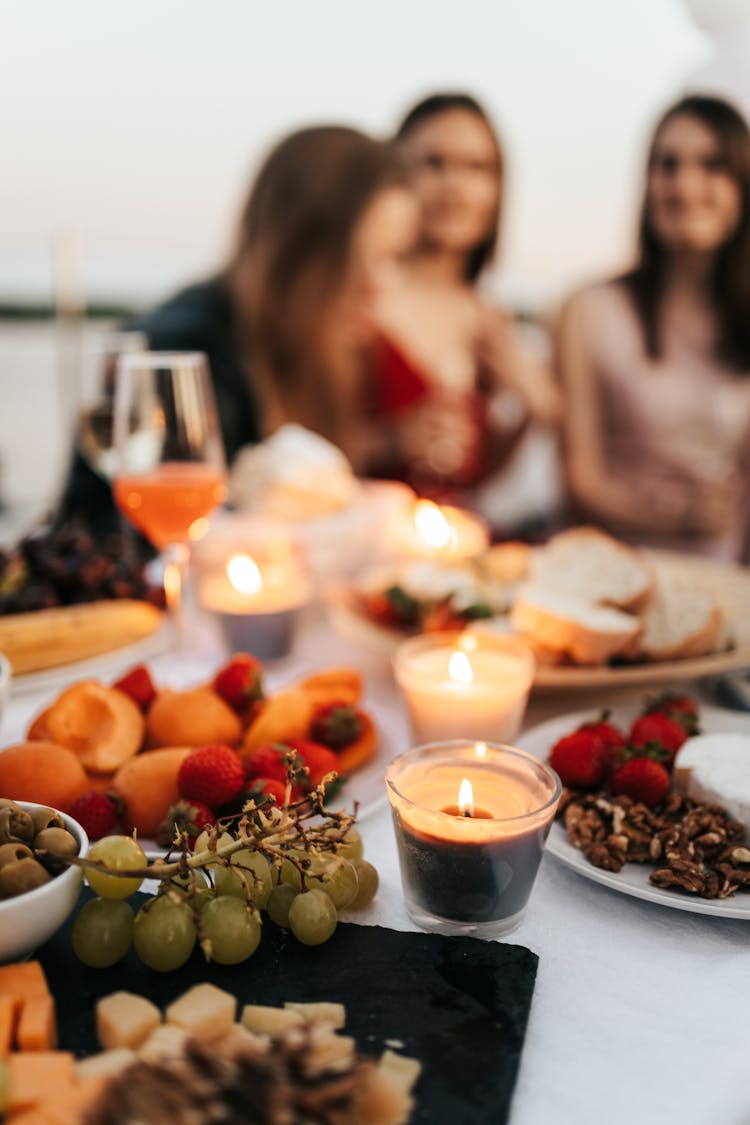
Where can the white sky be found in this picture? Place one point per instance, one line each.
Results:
(139, 123)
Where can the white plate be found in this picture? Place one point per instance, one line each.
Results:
(634, 877)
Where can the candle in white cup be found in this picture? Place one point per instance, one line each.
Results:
(464, 685)
(433, 531)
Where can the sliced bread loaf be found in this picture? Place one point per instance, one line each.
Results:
(590, 564)
(681, 620)
(571, 624)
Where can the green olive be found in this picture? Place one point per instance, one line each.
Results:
(58, 841)
(15, 824)
(22, 876)
(9, 853)
(46, 818)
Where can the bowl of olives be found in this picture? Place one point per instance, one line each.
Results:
(37, 892)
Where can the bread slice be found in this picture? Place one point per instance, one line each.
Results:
(589, 564)
(571, 624)
(681, 620)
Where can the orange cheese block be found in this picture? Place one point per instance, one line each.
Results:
(23, 981)
(37, 1030)
(37, 1075)
(66, 1107)
(7, 1023)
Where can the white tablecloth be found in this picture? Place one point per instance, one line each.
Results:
(640, 1012)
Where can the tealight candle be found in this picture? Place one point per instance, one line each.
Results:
(256, 602)
(464, 685)
(471, 819)
(443, 532)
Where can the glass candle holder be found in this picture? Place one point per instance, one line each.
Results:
(471, 819)
(464, 685)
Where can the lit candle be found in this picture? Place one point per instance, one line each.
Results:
(464, 685)
(439, 532)
(470, 821)
(256, 601)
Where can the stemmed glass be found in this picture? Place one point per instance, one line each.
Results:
(170, 459)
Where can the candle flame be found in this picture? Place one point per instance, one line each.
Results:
(431, 524)
(244, 574)
(460, 669)
(465, 798)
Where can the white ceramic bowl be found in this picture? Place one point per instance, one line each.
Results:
(28, 920)
(5, 673)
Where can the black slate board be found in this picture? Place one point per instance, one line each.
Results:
(459, 1005)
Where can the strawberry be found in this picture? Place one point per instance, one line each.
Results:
(185, 816)
(660, 732)
(240, 682)
(336, 725)
(211, 774)
(580, 759)
(643, 779)
(319, 760)
(392, 607)
(137, 683)
(682, 708)
(612, 738)
(267, 761)
(97, 813)
(442, 617)
(270, 786)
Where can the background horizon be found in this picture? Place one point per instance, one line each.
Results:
(133, 140)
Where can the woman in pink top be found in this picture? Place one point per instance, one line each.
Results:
(656, 364)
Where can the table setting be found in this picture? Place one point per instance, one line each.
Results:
(527, 975)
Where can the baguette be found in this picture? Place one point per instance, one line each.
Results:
(570, 625)
(681, 620)
(590, 564)
(47, 638)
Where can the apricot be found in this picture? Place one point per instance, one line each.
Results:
(286, 715)
(358, 753)
(147, 785)
(102, 725)
(195, 717)
(43, 772)
(334, 684)
(38, 730)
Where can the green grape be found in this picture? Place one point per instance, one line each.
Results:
(288, 873)
(103, 932)
(312, 917)
(118, 853)
(335, 876)
(4, 1087)
(233, 929)
(351, 846)
(202, 840)
(369, 882)
(279, 901)
(164, 934)
(256, 883)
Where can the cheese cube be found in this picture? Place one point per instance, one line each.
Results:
(332, 1014)
(37, 1030)
(402, 1070)
(37, 1075)
(106, 1064)
(204, 1010)
(125, 1020)
(165, 1042)
(262, 1020)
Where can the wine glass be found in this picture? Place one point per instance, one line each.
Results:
(170, 458)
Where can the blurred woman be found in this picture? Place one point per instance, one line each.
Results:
(452, 381)
(656, 364)
(286, 323)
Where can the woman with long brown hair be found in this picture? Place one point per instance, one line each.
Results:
(656, 363)
(452, 380)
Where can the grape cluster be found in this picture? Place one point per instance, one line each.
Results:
(215, 898)
(66, 566)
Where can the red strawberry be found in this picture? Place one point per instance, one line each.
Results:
(318, 759)
(612, 739)
(580, 759)
(336, 725)
(185, 816)
(240, 682)
(211, 774)
(267, 761)
(97, 813)
(659, 732)
(442, 617)
(137, 683)
(643, 779)
(269, 786)
(682, 708)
